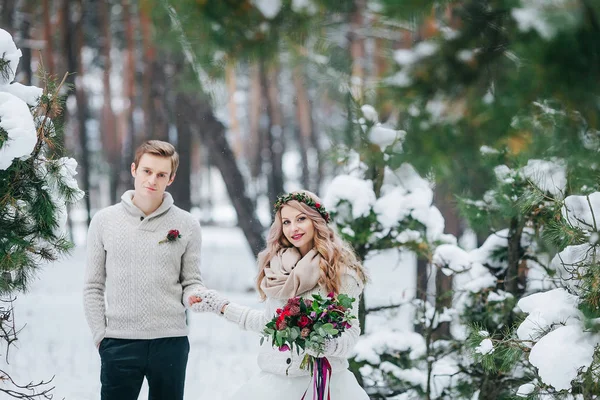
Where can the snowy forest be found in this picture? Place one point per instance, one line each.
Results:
(455, 144)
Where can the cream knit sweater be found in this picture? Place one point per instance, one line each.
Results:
(270, 359)
(136, 288)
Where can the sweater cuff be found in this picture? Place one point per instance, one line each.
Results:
(233, 312)
(98, 337)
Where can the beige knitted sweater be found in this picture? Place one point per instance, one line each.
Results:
(136, 288)
(270, 359)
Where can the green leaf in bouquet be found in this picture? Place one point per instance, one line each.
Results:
(317, 297)
(270, 324)
(345, 301)
(294, 333)
(268, 331)
(330, 330)
(278, 338)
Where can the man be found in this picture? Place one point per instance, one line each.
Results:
(143, 257)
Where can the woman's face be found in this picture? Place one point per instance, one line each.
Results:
(297, 228)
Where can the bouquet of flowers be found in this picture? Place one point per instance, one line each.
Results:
(307, 324)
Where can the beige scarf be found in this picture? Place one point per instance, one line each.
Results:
(289, 274)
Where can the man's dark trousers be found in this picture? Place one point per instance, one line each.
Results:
(125, 363)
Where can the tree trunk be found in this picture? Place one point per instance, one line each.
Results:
(274, 136)
(212, 134)
(304, 118)
(362, 319)
(7, 15)
(443, 283)
(514, 280)
(422, 281)
(180, 189)
(255, 144)
(357, 48)
(129, 142)
(108, 127)
(234, 125)
(154, 89)
(491, 387)
(47, 58)
(319, 173)
(49, 45)
(73, 43)
(25, 46)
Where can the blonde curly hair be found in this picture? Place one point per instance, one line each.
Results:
(335, 252)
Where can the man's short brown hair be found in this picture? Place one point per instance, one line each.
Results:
(158, 148)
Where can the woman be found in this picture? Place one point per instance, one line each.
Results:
(303, 256)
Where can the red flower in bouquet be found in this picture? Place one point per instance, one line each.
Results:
(324, 317)
(308, 323)
(304, 321)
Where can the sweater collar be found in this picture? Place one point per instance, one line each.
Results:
(132, 209)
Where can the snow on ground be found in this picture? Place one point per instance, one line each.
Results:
(56, 340)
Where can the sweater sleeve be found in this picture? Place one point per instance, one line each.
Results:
(94, 281)
(340, 346)
(247, 318)
(190, 277)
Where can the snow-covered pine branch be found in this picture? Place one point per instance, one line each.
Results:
(34, 190)
(562, 323)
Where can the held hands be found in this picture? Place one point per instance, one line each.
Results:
(208, 300)
(193, 299)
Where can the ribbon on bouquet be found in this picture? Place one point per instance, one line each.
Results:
(321, 378)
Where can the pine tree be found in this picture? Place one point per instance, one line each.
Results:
(379, 205)
(35, 190)
(502, 104)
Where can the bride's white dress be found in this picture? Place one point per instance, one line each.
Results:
(272, 382)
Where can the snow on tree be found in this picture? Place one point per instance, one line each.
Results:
(560, 333)
(491, 104)
(490, 282)
(35, 190)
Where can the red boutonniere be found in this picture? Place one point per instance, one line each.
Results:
(172, 236)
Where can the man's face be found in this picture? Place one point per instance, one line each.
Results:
(152, 176)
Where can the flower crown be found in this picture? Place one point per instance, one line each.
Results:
(302, 198)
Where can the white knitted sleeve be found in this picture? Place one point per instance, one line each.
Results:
(190, 277)
(94, 281)
(341, 346)
(247, 318)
